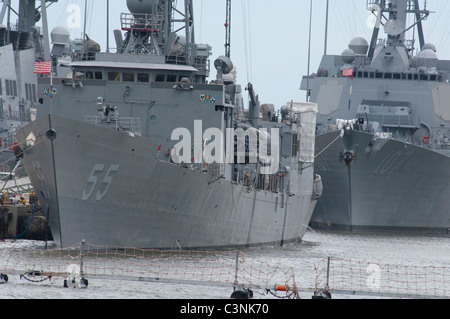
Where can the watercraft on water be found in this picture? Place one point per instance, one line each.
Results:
(382, 129)
(137, 149)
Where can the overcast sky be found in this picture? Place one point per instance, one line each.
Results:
(269, 38)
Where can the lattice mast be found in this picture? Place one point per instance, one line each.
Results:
(393, 16)
(152, 27)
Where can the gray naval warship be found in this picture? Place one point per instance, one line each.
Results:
(137, 149)
(383, 129)
(22, 42)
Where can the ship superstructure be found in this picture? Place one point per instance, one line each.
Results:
(22, 42)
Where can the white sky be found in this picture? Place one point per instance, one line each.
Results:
(269, 38)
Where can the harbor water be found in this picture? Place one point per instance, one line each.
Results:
(420, 253)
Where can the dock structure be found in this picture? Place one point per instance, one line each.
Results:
(20, 211)
(16, 186)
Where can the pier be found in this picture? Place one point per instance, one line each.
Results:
(21, 215)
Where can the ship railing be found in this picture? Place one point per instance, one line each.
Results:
(142, 22)
(83, 56)
(202, 64)
(215, 170)
(179, 59)
(126, 124)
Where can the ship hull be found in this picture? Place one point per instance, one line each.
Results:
(112, 188)
(391, 186)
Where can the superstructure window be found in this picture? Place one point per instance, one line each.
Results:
(114, 76)
(143, 77)
(98, 75)
(30, 92)
(171, 78)
(11, 87)
(160, 78)
(27, 91)
(1, 89)
(128, 77)
(8, 87)
(295, 144)
(33, 93)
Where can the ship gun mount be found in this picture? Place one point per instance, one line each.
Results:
(109, 117)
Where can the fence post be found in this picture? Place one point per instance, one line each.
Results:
(327, 286)
(83, 243)
(236, 269)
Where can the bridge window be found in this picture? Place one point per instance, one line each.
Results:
(171, 78)
(143, 77)
(160, 78)
(114, 76)
(128, 77)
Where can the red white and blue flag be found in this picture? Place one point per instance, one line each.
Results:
(348, 72)
(42, 67)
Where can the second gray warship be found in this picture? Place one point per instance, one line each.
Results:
(22, 42)
(383, 129)
(137, 149)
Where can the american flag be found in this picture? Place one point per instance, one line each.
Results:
(348, 72)
(42, 67)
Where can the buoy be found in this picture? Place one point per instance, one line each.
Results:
(75, 280)
(241, 293)
(280, 288)
(322, 294)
